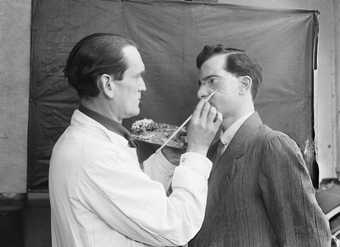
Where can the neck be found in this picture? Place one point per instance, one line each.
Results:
(100, 107)
(228, 120)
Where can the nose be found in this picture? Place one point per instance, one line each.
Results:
(203, 91)
(142, 85)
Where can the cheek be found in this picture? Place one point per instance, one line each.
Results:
(219, 101)
(224, 100)
(129, 91)
(223, 92)
(219, 87)
(229, 89)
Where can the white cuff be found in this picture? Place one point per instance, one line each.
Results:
(197, 162)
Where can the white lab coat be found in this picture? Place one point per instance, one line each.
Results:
(100, 197)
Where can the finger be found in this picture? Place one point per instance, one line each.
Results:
(218, 120)
(197, 112)
(218, 116)
(212, 115)
(205, 111)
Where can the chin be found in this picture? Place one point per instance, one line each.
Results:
(133, 113)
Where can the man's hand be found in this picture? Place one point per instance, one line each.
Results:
(203, 126)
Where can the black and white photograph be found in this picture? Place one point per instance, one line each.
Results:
(187, 123)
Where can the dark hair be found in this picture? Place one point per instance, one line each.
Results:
(237, 62)
(92, 56)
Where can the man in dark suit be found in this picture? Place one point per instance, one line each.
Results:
(260, 193)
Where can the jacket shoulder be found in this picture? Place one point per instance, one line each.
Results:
(274, 140)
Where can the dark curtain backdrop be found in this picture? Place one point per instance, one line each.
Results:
(170, 34)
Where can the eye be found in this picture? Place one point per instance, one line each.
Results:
(212, 80)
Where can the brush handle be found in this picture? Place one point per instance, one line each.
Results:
(174, 134)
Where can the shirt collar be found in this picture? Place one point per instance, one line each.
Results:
(228, 135)
(108, 123)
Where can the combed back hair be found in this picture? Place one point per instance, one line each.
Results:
(237, 62)
(92, 56)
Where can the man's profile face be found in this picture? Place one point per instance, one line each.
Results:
(129, 89)
(213, 76)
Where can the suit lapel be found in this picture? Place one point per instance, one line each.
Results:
(227, 162)
(246, 132)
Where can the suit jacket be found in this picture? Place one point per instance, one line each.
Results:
(260, 194)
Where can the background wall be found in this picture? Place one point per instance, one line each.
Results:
(15, 28)
(337, 77)
(15, 24)
(326, 88)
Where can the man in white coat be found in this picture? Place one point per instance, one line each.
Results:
(99, 194)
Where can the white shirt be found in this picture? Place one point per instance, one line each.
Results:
(101, 198)
(229, 134)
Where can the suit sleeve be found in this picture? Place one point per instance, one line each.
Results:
(289, 196)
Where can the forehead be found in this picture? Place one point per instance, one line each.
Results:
(214, 65)
(133, 59)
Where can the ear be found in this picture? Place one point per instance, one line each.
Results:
(245, 84)
(106, 85)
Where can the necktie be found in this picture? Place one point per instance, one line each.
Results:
(219, 151)
(215, 151)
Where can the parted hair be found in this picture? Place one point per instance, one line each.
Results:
(237, 62)
(92, 56)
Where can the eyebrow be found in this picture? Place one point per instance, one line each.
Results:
(206, 78)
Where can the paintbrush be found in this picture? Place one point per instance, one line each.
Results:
(182, 125)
